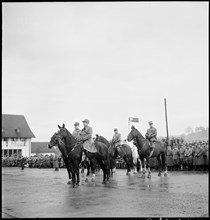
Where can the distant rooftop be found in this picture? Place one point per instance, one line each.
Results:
(15, 126)
(42, 147)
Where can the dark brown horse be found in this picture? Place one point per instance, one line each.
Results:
(143, 146)
(123, 151)
(101, 156)
(56, 141)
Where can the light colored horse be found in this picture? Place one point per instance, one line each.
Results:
(135, 157)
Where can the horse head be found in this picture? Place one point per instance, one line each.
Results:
(133, 134)
(55, 140)
(67, 136)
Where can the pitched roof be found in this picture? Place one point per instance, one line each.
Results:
(15, 126)
(42, 147)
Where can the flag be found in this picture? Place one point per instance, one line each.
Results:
(133, 119)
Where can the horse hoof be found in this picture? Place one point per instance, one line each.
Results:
(134, 172)
(77, 184)
(104, 182)
(74, 185)
(149, 176)
(69, 182)
(86, 180)
(165, 174)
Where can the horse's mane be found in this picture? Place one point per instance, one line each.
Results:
(104, 139)
(139, 134)
(70, 140)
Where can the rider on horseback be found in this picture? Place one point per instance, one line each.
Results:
(151, 135)
(116, 140)
(77, 131)
(86, 136)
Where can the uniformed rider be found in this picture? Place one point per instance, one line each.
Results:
(76, 133)
(151, 135)
(86, 136)
(116, 140)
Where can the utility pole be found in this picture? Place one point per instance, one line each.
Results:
(166, 121)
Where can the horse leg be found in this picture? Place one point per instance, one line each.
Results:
(159, 165)
(68, 167)
(104, 170)
(164, 164)
(139, 169)
(144, 168)
(88, 168)
(73, 177)
(126, 159)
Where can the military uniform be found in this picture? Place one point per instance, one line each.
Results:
(76, 134)
(169, 159)
(175, 153)
(116, 140)
(199, 157)
(189, 157)
(86, 137)
(151, 134)
(182, 157)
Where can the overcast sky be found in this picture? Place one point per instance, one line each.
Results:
(64, 62)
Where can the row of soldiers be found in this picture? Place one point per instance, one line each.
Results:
(38, 161)
(186, 156)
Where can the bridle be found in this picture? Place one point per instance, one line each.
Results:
(74, 146)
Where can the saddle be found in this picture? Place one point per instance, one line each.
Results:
(90, 148)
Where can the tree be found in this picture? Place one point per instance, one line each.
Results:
(189, 130)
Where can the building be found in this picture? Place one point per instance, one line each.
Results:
(42, 148)
(16, 135)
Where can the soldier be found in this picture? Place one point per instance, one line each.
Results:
(151, 135)
(189, 157)
(205, 150)
(77, 131)
(175, 157)
(182, 156)
(56, 166)
(86, 136)
(169, 158)
(116, 139)
(194, 153)
(23, 160)
(199, 157)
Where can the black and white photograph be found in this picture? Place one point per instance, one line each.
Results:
(105, 109)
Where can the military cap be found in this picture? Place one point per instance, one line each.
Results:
(150, 122)
(86, 120)
(115, 129)
(76, 123)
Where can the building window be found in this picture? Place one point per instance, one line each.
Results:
(10, 153)
(19, 152)
(15, 151)
(5, 153)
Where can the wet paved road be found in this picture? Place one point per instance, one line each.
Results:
(44, 193)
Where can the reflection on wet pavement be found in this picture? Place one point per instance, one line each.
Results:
(44, 193)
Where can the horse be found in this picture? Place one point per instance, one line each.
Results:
(143, 146)
(55, 141)
(101, 156)
(137, 165)
(124, 152)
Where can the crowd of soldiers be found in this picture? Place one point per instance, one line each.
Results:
(186, 156)
(37, 161)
